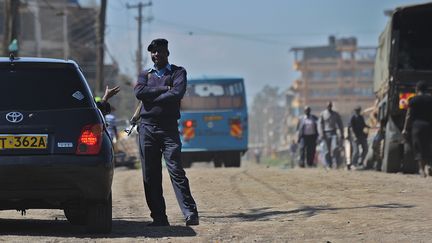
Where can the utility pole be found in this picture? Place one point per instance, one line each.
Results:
(140, 20)
(11, 20)
(100, 47)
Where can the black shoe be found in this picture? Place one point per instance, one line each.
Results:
(158, 223)
(192, 219)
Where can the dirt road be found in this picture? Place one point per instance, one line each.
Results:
(256, 204)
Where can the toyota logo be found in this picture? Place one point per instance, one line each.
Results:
(14, 117)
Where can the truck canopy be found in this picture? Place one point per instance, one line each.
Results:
(412, 27)
(405, 44)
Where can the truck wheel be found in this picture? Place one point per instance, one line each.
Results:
(392, 156)
(99, 216)
(76, 216)
(409, 165)
(233, 160)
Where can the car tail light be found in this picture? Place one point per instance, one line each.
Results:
(188, 131)
(236, 129)
(90, 140)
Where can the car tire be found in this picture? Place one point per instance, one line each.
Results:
(76, 216)
(99, 216)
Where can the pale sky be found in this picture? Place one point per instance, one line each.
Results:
(242, 38)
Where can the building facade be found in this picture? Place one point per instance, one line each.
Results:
(56, 29)
(340, 72)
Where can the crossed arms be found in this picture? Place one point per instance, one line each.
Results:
(161, 94)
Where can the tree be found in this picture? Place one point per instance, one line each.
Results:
(265, 115)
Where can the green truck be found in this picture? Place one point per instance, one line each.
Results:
(404, 57)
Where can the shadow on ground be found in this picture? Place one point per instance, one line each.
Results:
(122, 228)
(263, 214)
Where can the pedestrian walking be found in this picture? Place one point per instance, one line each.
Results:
(293, 147)
(307, 136)
(358, 138)
(257, 154)
(418, 128)
(330, 123)
(160, 89)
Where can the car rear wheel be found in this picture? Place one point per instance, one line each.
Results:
(99, 216)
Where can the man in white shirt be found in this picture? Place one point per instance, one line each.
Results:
(307, 137)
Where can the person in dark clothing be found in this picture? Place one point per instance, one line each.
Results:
(160, 90)
(307, 136)
(356, 127)
(418, 127)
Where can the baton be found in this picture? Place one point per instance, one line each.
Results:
(134, 119)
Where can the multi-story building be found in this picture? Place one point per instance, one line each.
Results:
(57, 29)
(340, 72)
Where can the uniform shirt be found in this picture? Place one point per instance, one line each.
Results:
(161, 71)
(161, 95)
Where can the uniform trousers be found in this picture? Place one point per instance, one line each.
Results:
(156, 141)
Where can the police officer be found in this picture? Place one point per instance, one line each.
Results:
(160, 90)
(418, 128)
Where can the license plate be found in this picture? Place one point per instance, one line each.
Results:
(23, 141)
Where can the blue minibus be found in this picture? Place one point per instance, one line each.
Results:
(214, 122)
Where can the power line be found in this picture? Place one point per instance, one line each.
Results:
(257, 37)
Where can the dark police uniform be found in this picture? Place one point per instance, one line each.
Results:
(159, 135)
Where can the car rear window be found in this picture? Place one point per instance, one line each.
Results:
(42, 88)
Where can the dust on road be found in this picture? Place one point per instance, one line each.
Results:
(255, 203)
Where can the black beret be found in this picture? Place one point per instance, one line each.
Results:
(157, 43)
